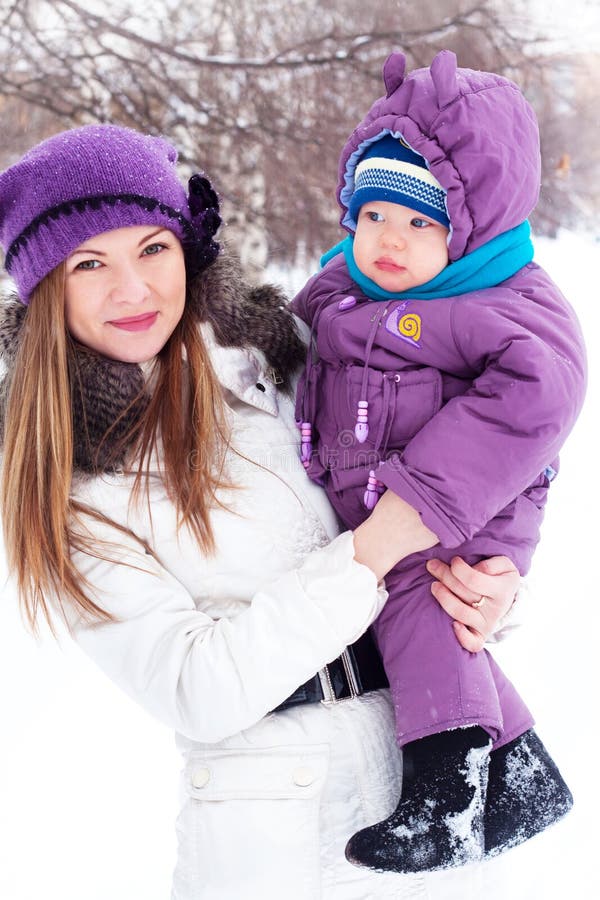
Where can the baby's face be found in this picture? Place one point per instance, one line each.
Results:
(397, 247)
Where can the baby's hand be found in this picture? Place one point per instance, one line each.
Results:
(476, 597)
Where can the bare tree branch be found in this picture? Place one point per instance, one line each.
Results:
(264, 101)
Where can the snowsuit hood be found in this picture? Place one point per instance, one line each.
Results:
(478, 135)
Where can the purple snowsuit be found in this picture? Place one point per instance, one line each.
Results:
(470, 397)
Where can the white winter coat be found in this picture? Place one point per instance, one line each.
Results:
(209, 645)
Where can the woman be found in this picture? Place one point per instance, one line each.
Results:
(151, 493)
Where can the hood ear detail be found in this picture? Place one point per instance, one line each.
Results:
(393, 72)
(443, 75)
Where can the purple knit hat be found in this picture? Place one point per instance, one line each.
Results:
(88, 180)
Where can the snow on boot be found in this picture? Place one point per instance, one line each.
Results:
(526, 793)
(438, 822)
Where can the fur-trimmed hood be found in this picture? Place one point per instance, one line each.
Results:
(107, 394)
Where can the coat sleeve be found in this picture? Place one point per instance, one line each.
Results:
(486, 446)
(210, 678)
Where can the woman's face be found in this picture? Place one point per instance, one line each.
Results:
(125, 291)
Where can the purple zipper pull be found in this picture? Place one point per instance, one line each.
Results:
(361, 429)
(374, 490)
(347, 303)
(306, 443)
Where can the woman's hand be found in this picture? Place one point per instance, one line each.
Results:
(475, 597)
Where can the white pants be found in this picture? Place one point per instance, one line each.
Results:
(267, 813)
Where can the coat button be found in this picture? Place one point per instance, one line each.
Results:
(200, 777)
(303, 776)
(347, 303)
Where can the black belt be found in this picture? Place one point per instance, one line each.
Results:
(358, 670)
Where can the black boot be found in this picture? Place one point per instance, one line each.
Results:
(439, 820)
(526, 793)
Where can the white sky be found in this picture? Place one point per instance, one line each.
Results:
(574, 24)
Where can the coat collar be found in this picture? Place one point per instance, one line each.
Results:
(243, 371)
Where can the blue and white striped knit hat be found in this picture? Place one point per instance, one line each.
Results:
(389, 170)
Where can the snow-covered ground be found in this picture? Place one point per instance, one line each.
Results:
(88, 782)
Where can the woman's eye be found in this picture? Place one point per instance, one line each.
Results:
(153, 249)
(88, 264)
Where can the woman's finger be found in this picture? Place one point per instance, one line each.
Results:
(481, 620)
(509, 578)
(452, 580)
(477, 578)
(475, 597)
(495, 565)
(470, 640)
(456, 608)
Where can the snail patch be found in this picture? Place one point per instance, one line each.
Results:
(405, 325)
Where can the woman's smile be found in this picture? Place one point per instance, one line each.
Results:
(135, 323)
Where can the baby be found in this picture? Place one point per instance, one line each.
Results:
(448, 368)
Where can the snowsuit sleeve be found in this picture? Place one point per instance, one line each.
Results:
(210, 678)
(305, 303)
(486, 446)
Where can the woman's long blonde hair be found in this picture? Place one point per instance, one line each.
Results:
(40, 518)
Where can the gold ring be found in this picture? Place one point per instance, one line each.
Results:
(479, 603)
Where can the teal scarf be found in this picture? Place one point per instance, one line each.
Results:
(485, 267)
